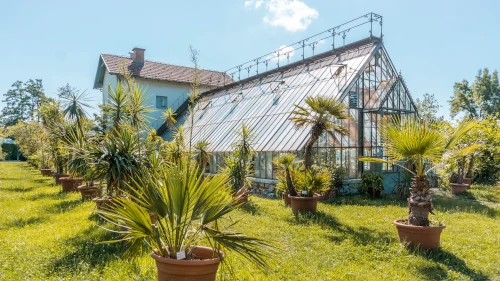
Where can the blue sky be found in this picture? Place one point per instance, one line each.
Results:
(433, 43)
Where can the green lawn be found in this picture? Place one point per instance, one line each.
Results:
(47, 235)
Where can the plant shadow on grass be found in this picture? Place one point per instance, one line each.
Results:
(444, 204)
(361, 236)
(445, 261)
(17, 189)
(11, 179)
(250, 208)
(42, 180)
(64, 206)
(48, 195)
(88, 250)
(23, 222)
(359, 200)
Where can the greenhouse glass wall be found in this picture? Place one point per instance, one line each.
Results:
(360, 74)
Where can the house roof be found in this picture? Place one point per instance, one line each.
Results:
(158, 71)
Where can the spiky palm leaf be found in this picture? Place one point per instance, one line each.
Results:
(190, 210)
(137, 108)
(74, 103)
(117, 158)
(118, 103)
(319, 115)
(202, 155)
(285, 163)
(169, 116)
(415, 140)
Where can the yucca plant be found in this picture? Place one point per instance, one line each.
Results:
(410, 140)
(320, 115)
(310, 182)
(117, 158)
(238, 166)
(74, 103)
(201, 154)
(191, 210)
(169, 116)
(285, 163)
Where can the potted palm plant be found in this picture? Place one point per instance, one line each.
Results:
(409, 139)
(188, 241)
(285, 164)
(238, 165)
(372, 184)
(309, 183)
(319, 115)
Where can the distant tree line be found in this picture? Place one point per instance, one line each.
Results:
(479, 100)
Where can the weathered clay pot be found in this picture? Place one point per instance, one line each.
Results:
(458, 188)
(286, 199)
(467, 181)
(70, 184)
(102, 202)
(400, 195)
(423, 237)
(203, 267)
(47, 172)
(152, 217)
(374, 193)
(304, 204)
(58, 177)
(89, 192)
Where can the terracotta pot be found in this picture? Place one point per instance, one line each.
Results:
(102, 202)
(47, 172)
(203, 268)
(330, 194)
(458, 188)
(58, 177)
(152, 217)
(89, 192)
(374, 194)
(286, 199)
(70, 184)
(400, 195)
(304, 204)
(467, 181)
(423, 237)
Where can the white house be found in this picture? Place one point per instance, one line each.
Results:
(166, 85)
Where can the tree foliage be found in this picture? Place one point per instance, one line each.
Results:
(22, 102)
(478, 100)
(428, 108)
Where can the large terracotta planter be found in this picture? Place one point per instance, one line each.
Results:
(423, 237)
(89, 192)
(286, 199)
(304, 204)
(458, 188)
(467, 181)
(58, 177)
(70, 184)
(203, 268)
(47, 172)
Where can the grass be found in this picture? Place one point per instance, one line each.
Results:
(49, 235)
(483, 192)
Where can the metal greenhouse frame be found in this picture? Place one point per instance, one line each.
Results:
(359, 73)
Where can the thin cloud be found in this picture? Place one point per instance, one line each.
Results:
(253, 3)
(292, 15)
(282, 52)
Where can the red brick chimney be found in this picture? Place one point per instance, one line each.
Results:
(137, 55)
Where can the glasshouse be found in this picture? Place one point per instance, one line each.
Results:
(360, 74)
